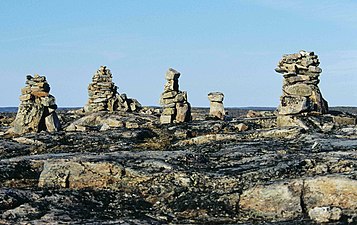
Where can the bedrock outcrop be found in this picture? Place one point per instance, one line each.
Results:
(205, 171)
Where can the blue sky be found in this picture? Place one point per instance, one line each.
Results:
(230, 46)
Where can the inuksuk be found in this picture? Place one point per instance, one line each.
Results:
(176, 108)
(216, 105)
(37, 108)
(103, 95)
(301, 94)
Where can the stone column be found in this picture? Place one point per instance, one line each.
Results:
(104, 96)
(37, 108)
(175, 105)
(216, 105)
(301, 94)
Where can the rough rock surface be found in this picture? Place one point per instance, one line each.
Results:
(301, 94)
(37, 108)
(103, 95)
(216, 105)
(201, 172)
(176, 108)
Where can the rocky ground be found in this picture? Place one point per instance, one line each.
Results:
(126, 168)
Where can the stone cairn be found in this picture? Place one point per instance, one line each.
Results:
(103, 95)
(176, 108)
(216, 105)
(37, 108)
(301, 94)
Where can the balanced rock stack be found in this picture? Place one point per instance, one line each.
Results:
(176, 108)
(103, 95)
(216, 105)
(37, 108)
(301, 94)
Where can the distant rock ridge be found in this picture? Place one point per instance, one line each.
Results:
(103, 95)
(37, 108)
(176, 108)
(301, 94)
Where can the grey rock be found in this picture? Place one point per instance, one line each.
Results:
(37, 108)
(175, 104)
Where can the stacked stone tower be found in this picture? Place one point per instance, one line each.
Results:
(216, 105)
(103, 95)
(37, 108)
(176, 108)
(301, 94)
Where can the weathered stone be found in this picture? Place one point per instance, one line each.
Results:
(299, 90)
(335, 191)
(25, 97)
(325, 214)
(37, 108)
(241, 127)
(301, 94)
(217, 110)
(216, 105)
(293, 105)
(280, 201)
(169, 111)
(170, 94)
(175, 104)
(103, 95)
(77, 175)
(172, 74)
(183, 112)
(315, 69)
(344, 120)
(216, 97)
(53, 124)
(171, 85)
(181, 97)
(166, 119)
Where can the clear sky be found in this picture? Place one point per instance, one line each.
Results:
(230, 46)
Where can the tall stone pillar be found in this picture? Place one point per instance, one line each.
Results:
(176, 108)
(216, 105)
(301, 94)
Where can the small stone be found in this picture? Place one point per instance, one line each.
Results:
(172, 74)
(170, 94)
(315, 69)
(216, 97)
(298, 89)
(183, 112)
(40, 93)
(132, 125)
(325, 214)
(104, 127)
(166, 119)
(169, 111)
(25, 97)
(253, 114)
(241, 127)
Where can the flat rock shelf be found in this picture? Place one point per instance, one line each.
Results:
(128, 168)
